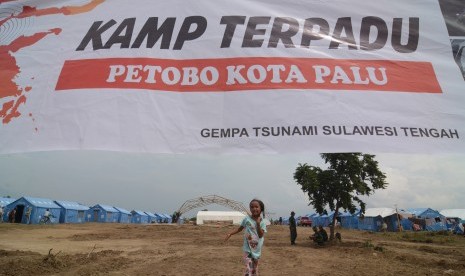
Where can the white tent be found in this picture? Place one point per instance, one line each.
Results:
(386, 212)
(219, 216)
(453, 213)
(383, 212)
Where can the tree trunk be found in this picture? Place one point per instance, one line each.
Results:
(333, 224)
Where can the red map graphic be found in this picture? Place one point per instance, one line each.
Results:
(8, 64)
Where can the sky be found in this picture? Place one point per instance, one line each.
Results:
(163, 182)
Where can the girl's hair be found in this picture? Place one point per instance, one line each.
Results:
(262, 205)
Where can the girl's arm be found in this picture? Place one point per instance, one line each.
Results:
(234, 232)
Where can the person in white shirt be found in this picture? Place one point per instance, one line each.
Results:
(47, 215)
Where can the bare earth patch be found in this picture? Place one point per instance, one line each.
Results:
(118, 249)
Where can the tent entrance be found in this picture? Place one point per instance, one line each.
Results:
(19, 213)
(95, 215)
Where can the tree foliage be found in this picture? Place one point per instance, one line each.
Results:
(348, 177)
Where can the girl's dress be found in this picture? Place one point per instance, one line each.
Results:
(252, 244)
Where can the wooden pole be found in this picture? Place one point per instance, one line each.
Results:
(399, 226)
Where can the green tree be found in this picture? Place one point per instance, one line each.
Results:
(339, 187)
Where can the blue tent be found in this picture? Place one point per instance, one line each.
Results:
(159, 217)
(406, 224)
(424, 213)
(349, 221)
(405, 219)
(433, 220)
(151, 217)
(169, 219)
(124, 215)
(139, 217)
(370, 223)
(373, 219)
(322, 220)
(37, 206)
(4, 201)
(163, 218)
(102, 213)
(316, 220)
(436, 227)
(72, 212)
(458, 230)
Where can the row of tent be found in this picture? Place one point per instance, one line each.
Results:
(417, 219)
(30, 210)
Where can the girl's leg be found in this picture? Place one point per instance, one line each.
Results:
(248, 264)
(254, 267)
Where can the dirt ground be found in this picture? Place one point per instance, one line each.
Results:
(119, 249)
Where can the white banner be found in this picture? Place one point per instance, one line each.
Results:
(232, 76)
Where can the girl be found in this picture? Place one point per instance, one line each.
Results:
(255, 229)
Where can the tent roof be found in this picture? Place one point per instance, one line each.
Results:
(41, 202)
(160, 215)
(164, 216)
(453, 213)
(416, 211)
(419, 211)
(71, 205)
(121, 210)
(138, 212)
(150, 214)
(329, 215)
(107, 208)
(6, 200)
(348, 214)
(383, 212)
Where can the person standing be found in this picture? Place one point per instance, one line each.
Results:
(384, 227)
(28, 215)
(255, 229)
(12, 215)
(293, 228)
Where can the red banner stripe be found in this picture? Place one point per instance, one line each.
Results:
(258, 73)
